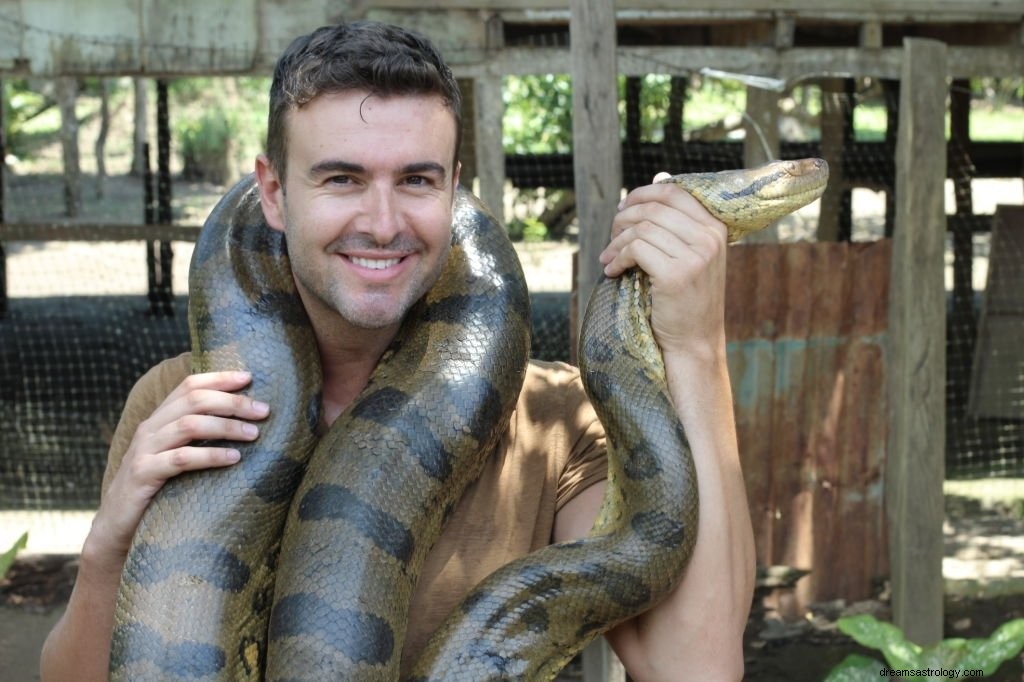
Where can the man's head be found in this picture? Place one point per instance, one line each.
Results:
(375, 58)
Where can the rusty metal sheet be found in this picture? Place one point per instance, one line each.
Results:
(806, 325)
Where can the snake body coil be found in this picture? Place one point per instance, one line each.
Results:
(198, 588)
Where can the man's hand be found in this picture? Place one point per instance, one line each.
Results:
(202, 407)
(664, 231)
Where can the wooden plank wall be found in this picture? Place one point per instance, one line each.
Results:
(807, 355)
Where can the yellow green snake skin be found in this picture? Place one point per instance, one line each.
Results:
(298, 562)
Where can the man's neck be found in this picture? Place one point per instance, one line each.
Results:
(348, 358)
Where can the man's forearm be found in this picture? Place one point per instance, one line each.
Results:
(696, 633)
(78, 647)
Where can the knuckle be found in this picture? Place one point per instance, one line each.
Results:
(241, 403)
(196, 400)
(192, 382)
(146, 427)
(179, 458)
(190, 425)
(137, 468)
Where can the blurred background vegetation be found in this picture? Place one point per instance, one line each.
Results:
(219, 124)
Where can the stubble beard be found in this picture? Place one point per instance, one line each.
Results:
(374, 309)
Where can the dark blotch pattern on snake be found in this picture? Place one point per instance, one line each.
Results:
(374, 494)
(358, 508)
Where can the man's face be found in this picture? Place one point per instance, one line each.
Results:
(366, 206)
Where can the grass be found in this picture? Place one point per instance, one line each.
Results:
(988, 123)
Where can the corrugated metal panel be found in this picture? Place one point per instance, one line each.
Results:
(806, 325)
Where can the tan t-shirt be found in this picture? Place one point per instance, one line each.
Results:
(554, 448)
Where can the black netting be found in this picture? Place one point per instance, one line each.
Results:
(84, 317)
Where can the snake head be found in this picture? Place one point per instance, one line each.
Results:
(749, 199)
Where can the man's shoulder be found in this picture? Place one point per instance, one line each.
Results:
(552, 391)
(166, 374)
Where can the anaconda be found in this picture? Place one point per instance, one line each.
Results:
(199, 583)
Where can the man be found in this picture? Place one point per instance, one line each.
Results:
(360, 175)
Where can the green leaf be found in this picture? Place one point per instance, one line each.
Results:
(946, 654)
(988, 654)
(7, 558)
(867, 630)
(855, 668)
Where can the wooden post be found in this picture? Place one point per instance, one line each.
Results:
(597, 162)
(597, 172)
(833, 139)
(489, 109)
(761, 143)
(3, 180)
(915, 465)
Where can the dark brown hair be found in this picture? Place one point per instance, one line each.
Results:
(381, 59)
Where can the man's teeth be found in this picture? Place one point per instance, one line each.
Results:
(375, 263)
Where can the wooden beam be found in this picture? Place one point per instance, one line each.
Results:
(792, 65)
(96, 232)
(597, 172)
(904, 10)
(597, 167)
(915, 465)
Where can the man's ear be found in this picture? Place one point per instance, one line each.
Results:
(455, 181)
(271, 193)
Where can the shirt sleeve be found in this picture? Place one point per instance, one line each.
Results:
(586, 462)
(148, 393)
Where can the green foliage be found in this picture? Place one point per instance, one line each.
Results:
(21, 105)
(538, 114)
(220, 126)
(900, 654)
(7, 558)
(206, 145)
(528, 230)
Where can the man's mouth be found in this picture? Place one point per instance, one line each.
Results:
(375, 263)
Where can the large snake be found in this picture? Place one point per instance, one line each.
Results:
(224, 582)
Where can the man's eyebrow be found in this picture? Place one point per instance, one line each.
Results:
(336, 166)
(341, 166)
(424, 167)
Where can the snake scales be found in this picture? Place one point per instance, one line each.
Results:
(298, 563)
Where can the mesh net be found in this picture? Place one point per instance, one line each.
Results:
(86, 315)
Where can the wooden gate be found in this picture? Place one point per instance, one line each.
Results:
(807, 355)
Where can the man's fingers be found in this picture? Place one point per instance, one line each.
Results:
(197, 427)
(170, 463)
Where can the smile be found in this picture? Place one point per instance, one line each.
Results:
(375, 263)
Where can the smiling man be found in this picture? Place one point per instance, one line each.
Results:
(360, 174)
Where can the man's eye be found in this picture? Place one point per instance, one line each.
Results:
(416, 180)
(339, 179)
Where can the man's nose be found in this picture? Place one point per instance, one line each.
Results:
(381, 215)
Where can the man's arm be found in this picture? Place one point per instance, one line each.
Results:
(697, 632)
(202, 407)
